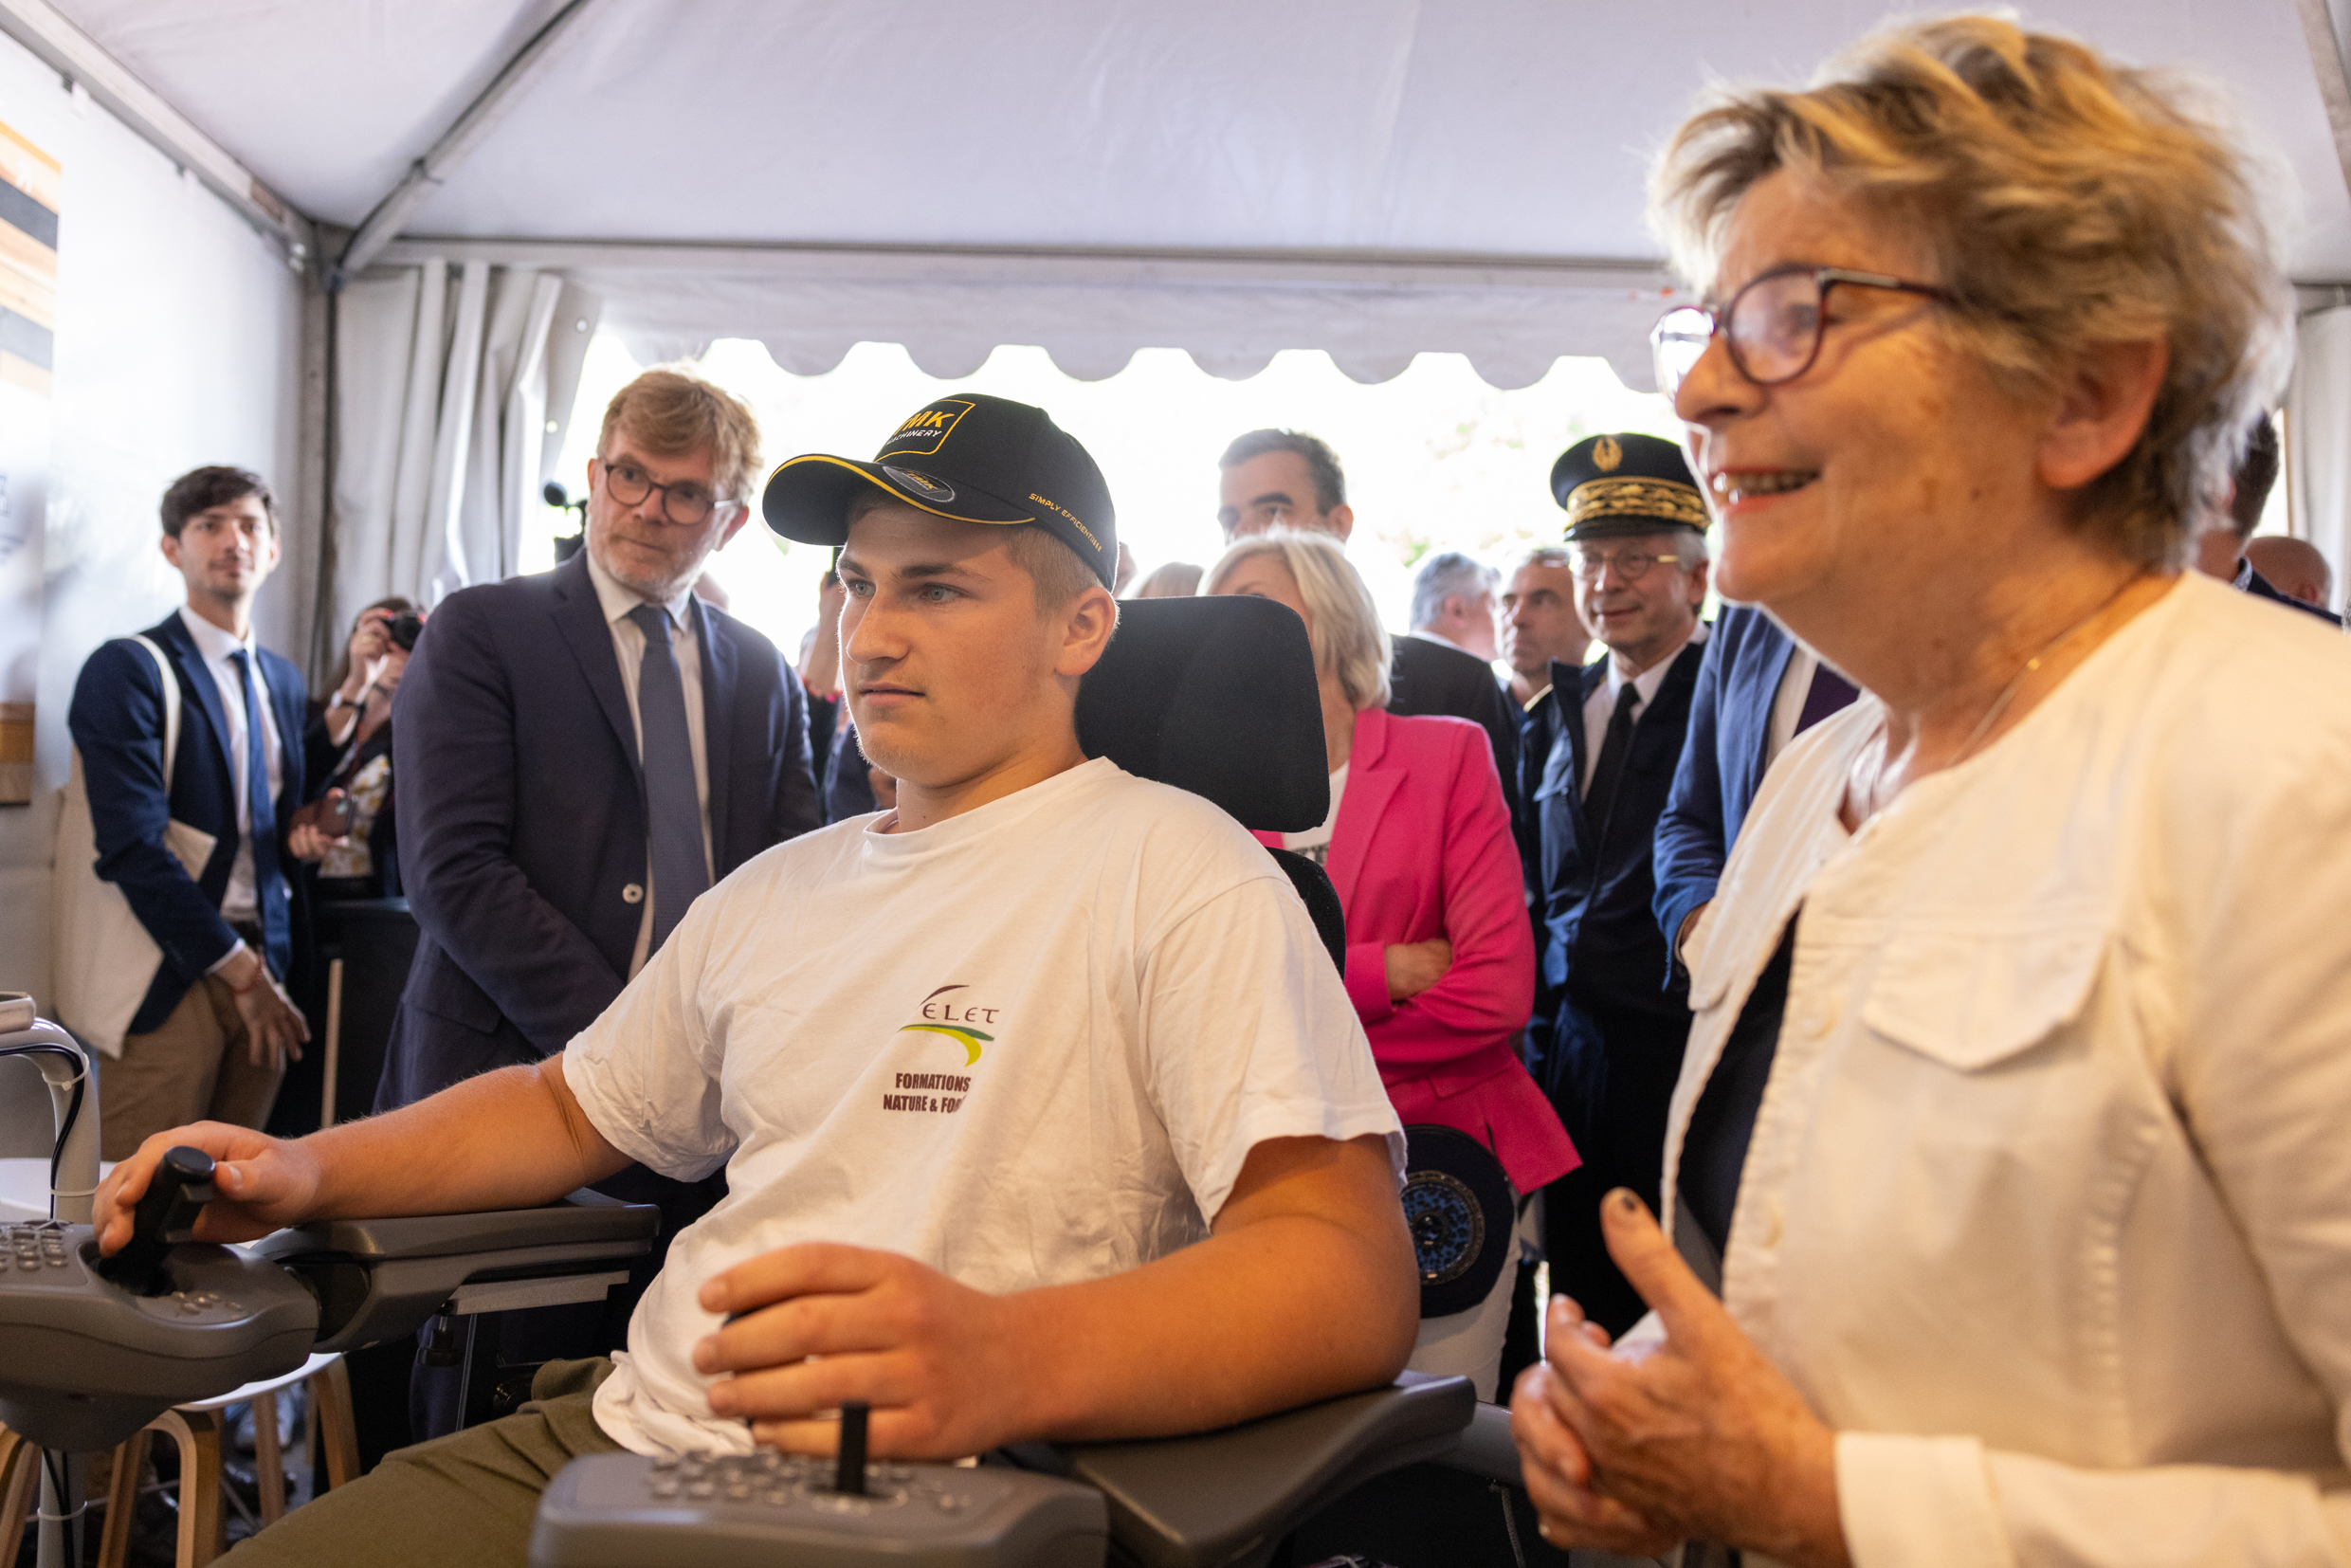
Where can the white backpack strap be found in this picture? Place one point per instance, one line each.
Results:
(170, 709)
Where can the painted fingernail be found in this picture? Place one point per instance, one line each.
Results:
(1626, 1200)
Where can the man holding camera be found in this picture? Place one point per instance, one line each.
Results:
(211, 1036)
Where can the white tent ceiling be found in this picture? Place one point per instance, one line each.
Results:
(1376, 177)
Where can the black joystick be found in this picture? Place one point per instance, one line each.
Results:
(848, 1473)
(166, 1214)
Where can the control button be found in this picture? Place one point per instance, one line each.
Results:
(699, 1490)
(665, 1488)
(633, 893)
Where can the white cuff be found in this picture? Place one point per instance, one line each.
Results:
(227, 957)
(1918, 1502)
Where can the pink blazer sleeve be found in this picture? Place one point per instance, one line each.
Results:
(1489, 990)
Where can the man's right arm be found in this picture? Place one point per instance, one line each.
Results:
(455, 761)
(512, 1139)
(117, 724)
(1689, 849)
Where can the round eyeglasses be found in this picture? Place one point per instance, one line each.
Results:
(1632, 565)
(1773, 326)
(684, 503)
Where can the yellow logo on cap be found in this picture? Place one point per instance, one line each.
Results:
(924, 432)
(1607, 454)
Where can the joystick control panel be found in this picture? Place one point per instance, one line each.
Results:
(97, 1348)
(757, 1509)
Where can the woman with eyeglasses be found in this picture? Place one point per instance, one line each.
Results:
(2007, 1176)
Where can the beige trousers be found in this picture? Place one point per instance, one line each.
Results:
(193, 1067)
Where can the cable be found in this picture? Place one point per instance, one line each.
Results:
(73, 1106)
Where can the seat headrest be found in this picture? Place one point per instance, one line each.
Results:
(1216, 696)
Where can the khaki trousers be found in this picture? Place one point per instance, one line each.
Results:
(193, 1067)
(464, 1501)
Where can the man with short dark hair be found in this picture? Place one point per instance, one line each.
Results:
(579, 755)
(1607, 1039)
(1047, 1113)
(211, 1036)
(1282, 479)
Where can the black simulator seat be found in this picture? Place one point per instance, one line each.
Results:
(1216, 696)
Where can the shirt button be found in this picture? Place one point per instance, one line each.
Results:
(1771, 1225)
(633, 893)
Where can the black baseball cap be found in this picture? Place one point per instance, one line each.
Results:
(971, 457)
(1611, 485)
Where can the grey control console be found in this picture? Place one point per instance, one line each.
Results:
(619, 1510)
(90, 1361)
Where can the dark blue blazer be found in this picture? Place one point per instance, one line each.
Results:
(1722, 766)
(1599, 945)
(116, 722)
(521, 813)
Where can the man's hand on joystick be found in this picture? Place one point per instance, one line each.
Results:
(260, 1184)
(938, 1362)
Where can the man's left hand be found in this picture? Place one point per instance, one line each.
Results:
(829, 1322)
(1700, 1438)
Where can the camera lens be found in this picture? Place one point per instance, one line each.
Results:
(405, 631)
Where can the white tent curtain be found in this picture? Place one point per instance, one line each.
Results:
(450, 382)
(2318, 435)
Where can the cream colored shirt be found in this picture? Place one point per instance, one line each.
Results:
(2048, 1208)
(629, 646)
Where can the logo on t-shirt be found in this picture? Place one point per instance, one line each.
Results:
(957, 1019)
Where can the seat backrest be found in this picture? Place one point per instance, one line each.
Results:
(1217, 695)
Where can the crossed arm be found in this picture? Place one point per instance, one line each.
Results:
(1304, 1289)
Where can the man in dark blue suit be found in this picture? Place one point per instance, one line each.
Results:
(1758, 689)
(1606, 1043)
(208, 1041)
(578, 754)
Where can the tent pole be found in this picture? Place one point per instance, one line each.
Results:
(455, 144)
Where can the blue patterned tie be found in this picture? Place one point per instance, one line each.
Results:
(261, 813)
(672, 804)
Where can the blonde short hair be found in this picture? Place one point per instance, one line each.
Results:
(2071, 202)
(1345, 632)
(671, 412)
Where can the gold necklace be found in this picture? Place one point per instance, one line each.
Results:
(1999, 703)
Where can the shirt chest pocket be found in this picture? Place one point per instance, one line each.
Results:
(1972, 998)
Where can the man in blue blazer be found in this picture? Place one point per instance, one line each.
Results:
(546, 848)
(1758, 689)
(209, 1040)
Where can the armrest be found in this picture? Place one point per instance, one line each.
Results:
(1486, 1448)
(1226, 1497)
(379, 1279)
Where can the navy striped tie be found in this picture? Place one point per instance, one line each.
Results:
(672, 803)
(261, 817)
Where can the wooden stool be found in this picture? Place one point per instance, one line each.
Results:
(20, 1483)
(198, 1430)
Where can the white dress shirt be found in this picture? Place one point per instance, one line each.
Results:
(628, 648)
(2047, 1205)
(238, 901)
(1601, 704)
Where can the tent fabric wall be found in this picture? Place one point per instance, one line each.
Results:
(450, 406)
(178, 343)
(2318, 436)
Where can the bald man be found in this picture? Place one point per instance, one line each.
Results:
(2295, 567)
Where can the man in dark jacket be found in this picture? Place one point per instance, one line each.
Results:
(1606, 1040)
(211, 1038)
(581, 753)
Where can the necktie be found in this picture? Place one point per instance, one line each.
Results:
(1829, 693)
(261, 812)
(672, 804)
(1615, 748)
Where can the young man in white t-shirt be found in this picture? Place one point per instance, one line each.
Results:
(1043, 1112)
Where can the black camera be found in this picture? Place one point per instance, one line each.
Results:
(405, 630)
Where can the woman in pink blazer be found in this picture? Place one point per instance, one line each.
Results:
(1440, 957)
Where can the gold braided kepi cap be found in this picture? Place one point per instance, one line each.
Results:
(1626, 483)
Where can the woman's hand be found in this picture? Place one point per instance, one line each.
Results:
(1415, 967)
(370, 640)
(1697, 1437)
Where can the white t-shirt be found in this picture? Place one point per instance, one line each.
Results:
(1028, 1045)
(1315, 843)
